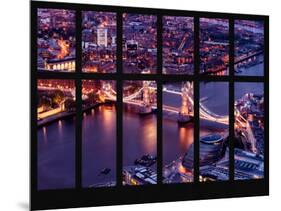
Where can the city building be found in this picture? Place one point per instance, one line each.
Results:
(211, 151)
(213, 173)
(248, 165)
(102, 37)
(66, 64)
(139, 175)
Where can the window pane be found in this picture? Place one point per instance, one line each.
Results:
(99, 133)
(139, 132)
(56, 134)
(214, 44)
(98, 42)
(214, 131)
(56, 40)
(249, 48)
(177, 45)
(139, 43)
(249, 130)
(178, 132)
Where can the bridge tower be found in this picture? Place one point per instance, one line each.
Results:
(105, 88)
(184, 113)
(146, 107)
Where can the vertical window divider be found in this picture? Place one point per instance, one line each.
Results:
(231, 99)
(78, 94)
(196, 114)
(33, 102)
(266, 104)
(119, 103)
(159, 101)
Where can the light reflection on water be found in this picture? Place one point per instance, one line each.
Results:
(99, 145)
(139, 136)
(56, 155)
(56, 143)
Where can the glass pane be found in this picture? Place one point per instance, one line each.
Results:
(98, 42)
(99, 133)
(249, 130)
(139, 43)
(178, 132)
(177, 45)
(56, 40)
(214, 46)
(56, 134)
(214, 131)
(139, 132)
(249, 48)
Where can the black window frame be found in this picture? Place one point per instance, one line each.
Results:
(84, 197)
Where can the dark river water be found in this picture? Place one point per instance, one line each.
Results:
(56, 142)
(256, 70)
(99, 145)
(56, 155)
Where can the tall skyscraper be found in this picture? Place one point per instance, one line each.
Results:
(102, 36)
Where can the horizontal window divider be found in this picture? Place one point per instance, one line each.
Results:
(249, 79)
(108, 76)
(57, 75)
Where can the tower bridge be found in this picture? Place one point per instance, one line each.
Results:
(143, 99)
(185, 112)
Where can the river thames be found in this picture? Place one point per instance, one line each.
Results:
(56, 141)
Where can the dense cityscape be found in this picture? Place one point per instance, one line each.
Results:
(214, 44)
(177, 45)
(249, 47)
(57, 103)
(55, 97)
(56, 40)
(139, 43)
(99, 42)
(249, 131)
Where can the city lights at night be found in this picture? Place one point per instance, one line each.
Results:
(146, 105)
(56, 127)
(98, 133)
(249, 130)
(99, 42)
(177, 131)
(214, 44)
(139, 43)
(99, 100)
(214, 132)
(56, 40)
(139, 142)
(249, 47)
(178, 45)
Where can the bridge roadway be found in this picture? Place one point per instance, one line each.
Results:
(204, 112)
(111, 95)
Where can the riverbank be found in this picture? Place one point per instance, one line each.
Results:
(88, 108)
(66, 114)
(54, 118)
